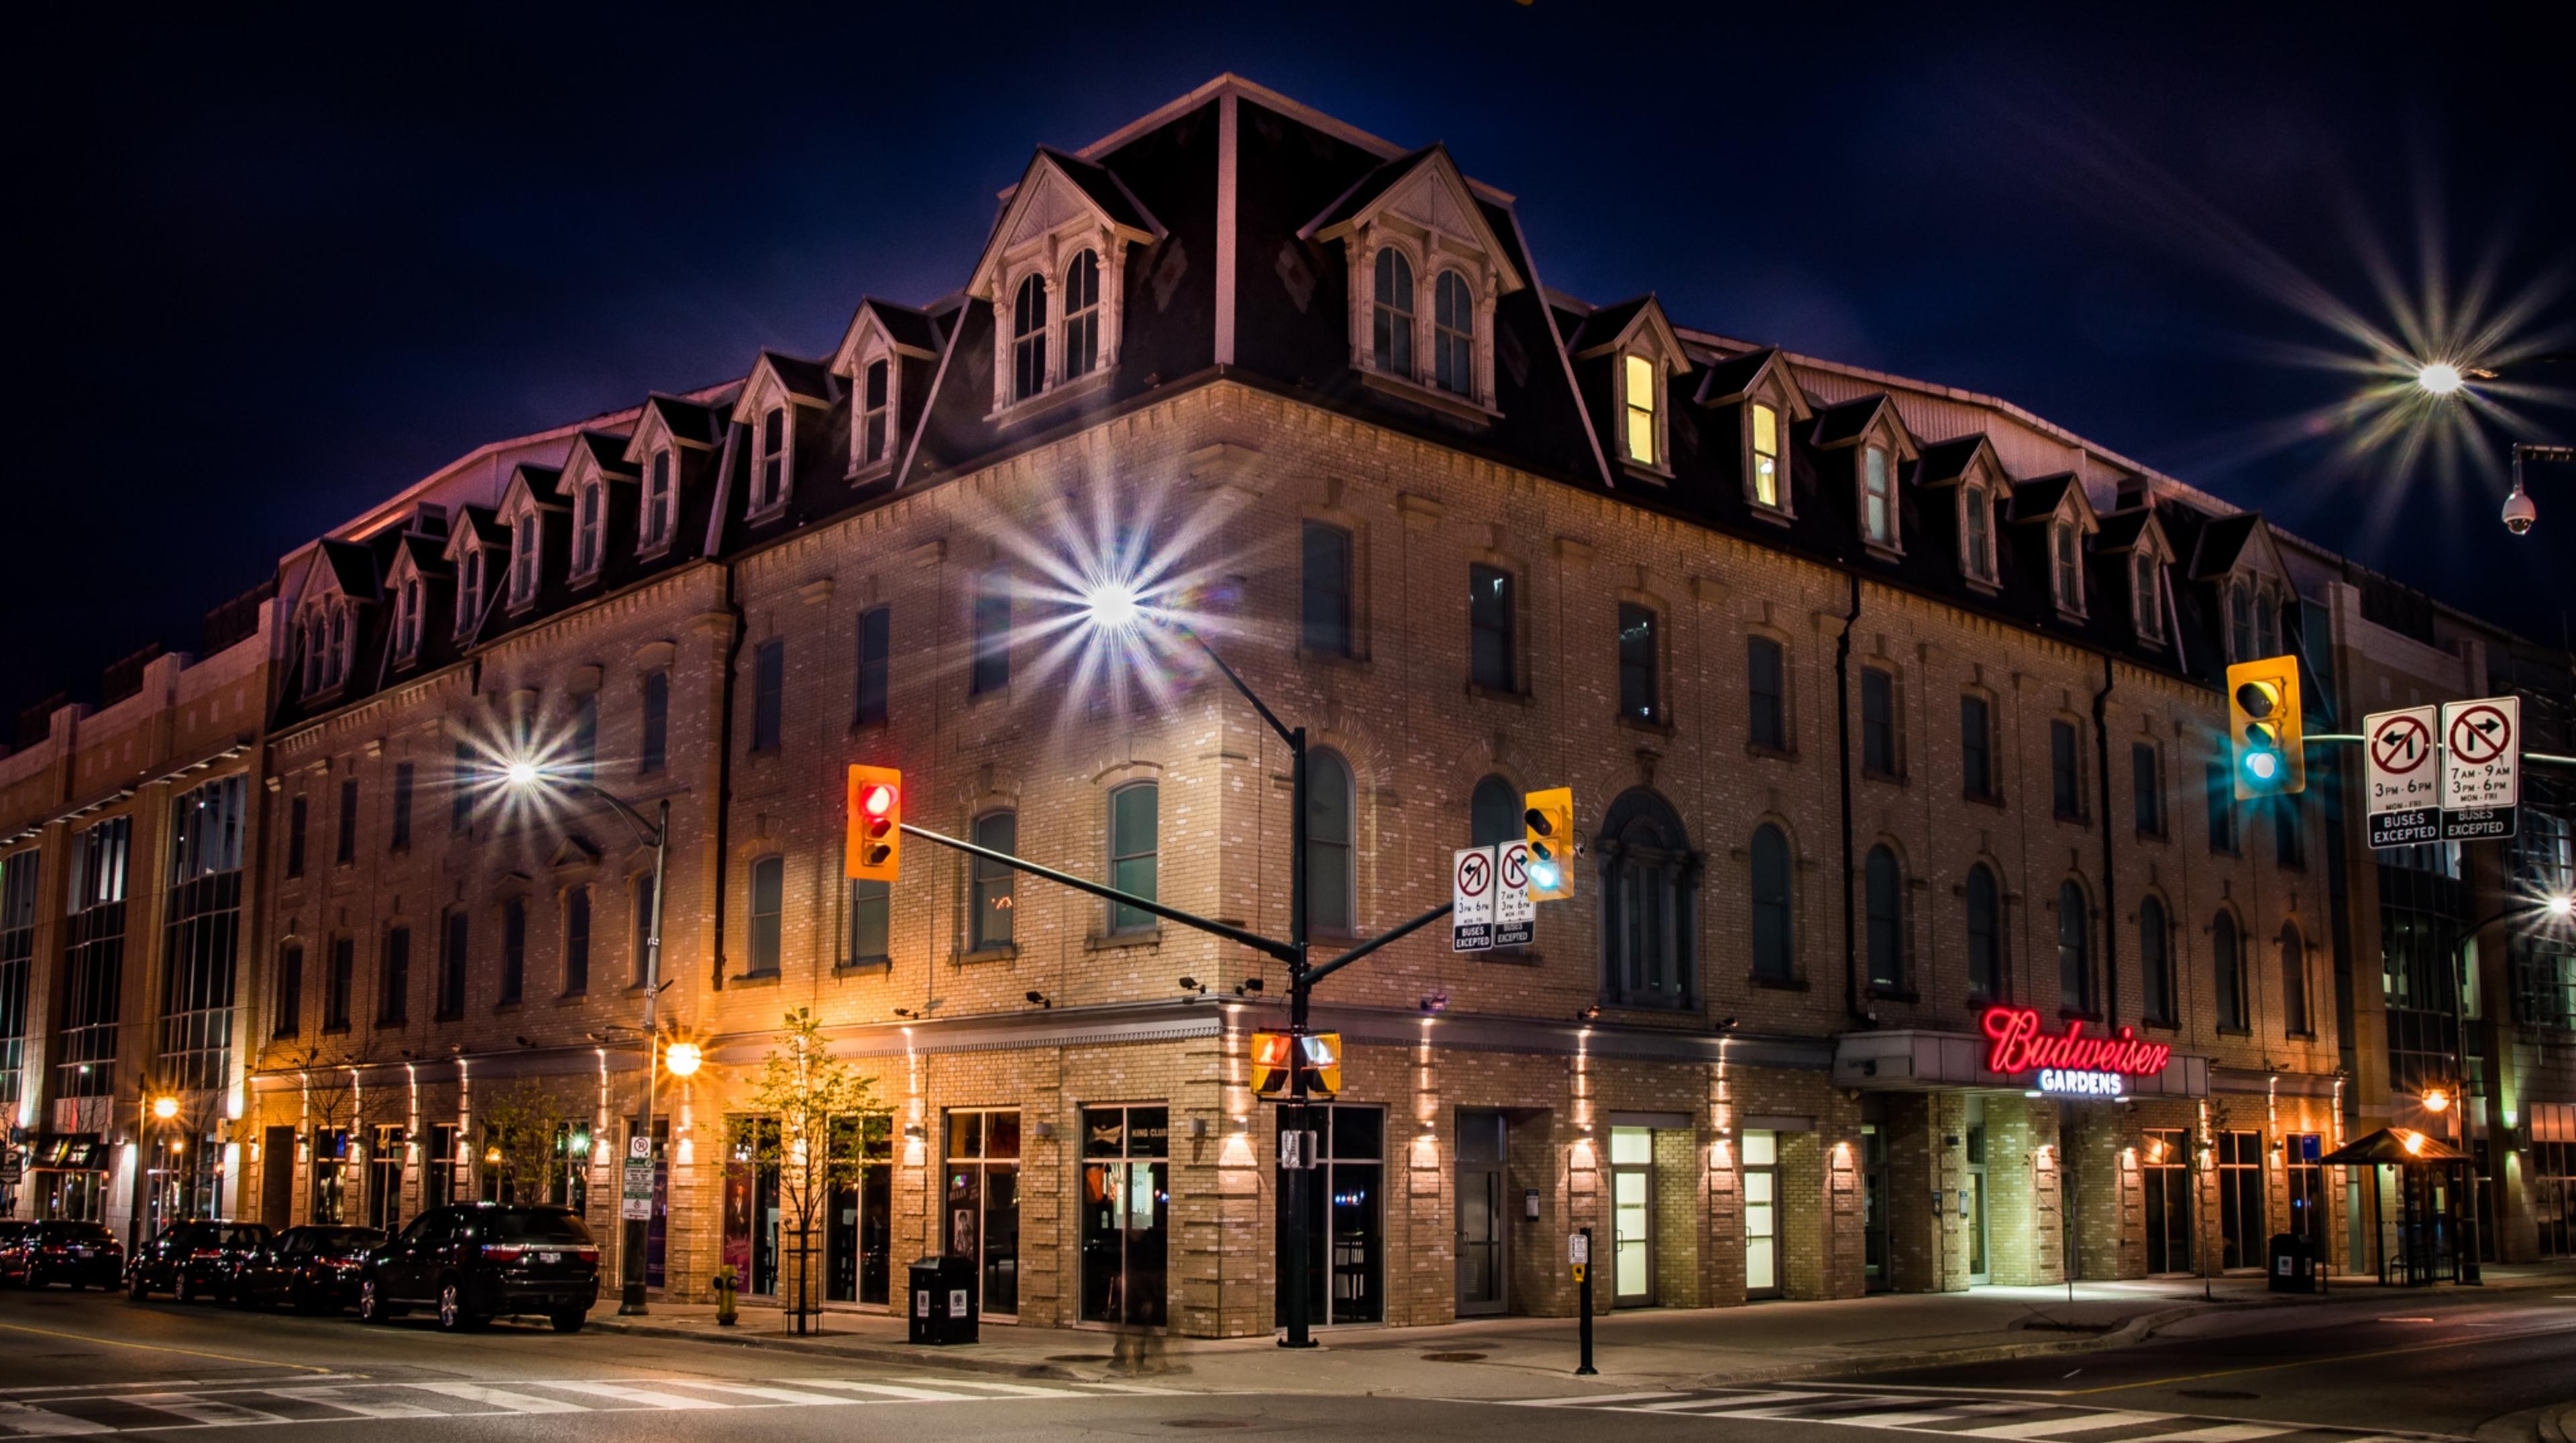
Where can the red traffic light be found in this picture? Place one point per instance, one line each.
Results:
(875, 822)
(877, 799)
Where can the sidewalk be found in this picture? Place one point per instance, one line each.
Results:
(1530, 1357)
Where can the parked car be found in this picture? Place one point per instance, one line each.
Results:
(313, 1269)
(80, 1254)
(13, 1231)
(473, 1262)
(191, 1259)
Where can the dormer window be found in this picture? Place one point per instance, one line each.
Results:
(1878, 497)
(2240, 621)
(1766, 456)
(876, 395)
(407, 618)
(2067, 573)
(1977, 535)
(523, 559)
(770, 470)
(326, 647)
(1392, 330)
(2146, 591)
(2267, 623)
(1453, 335)
(469, 588)
(1028, 339)
(655, 523)
(585, 530)
(1639, 403)
(1082, 315)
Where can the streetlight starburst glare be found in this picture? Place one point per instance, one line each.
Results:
(1112, 605)
(2439, 378)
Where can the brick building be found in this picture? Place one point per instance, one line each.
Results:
(1886, 707)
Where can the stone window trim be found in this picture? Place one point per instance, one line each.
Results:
(523, 574)
(1518, 577)
(583, 571)
(1429, 257)
(764, 394)
(410, 593)
(888, 417)
(1648, 338)
(1887, 435)
(1048, 221)
(1770, 387)
(653, 434)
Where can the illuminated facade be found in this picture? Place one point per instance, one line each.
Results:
(1886, 710)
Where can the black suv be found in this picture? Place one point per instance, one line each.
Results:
(192, 1259)
(475, 1261)
(81, 1254)
(312, 1268)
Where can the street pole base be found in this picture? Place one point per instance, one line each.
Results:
(1293, 1343)
(630, 1302)
(1587, 1372)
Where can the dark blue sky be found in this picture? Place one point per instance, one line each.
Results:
(271, 269)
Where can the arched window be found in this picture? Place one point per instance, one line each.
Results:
(1494, 813)
(1028, 339)
(988, 924)
(1774, 949)
(1391, 326)
(1985, 933)
(2074, 949)
(2155, 961)
(1331, 888)
(1884, 888)
(1082, 315)
(2294, 982)
(2228, 968)
(1453, 334)
(1647, 874)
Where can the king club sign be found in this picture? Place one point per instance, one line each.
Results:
(2067, 1063)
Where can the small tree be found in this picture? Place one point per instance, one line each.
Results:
(523, 1126)
(806, 1104)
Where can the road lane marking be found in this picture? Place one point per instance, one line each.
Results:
(161, 1348)
(1597, 1400)
(2220, 1433)
(1949, 1413)
(43, 1423)
(500, 1398)
(774, 1395)
(2058, 1427)
(208, 1411)
(2311, 1362)
(888, 1390)
(1016, 1390)
(1757, 1403)
(365, 1408)
(650, 1398)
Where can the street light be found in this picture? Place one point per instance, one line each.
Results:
(522, 774)
(165, 1108)
(2440, 378)
(681, 1059)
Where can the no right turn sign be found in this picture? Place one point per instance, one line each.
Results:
(2481, 767)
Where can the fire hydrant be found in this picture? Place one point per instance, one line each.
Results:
(726, 1290)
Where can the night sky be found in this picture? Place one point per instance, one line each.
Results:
(270, 270)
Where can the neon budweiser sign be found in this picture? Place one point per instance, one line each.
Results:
(2020, 1046)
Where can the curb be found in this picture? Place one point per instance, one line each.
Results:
(859, 1350)
(2558, 1425)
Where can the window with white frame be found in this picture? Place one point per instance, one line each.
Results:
(1977, 532)
(1640, 402)
(1028, 338)
(655, 523)
(2067, 571)
(2146, 589)
(1878, 496)
(335, 664)
(876, 400)
(1764, 431)
(1391, 324)
(585, 529)
(1453, 335)
(469, 587)
(407, 607)
(1081, 316)
(523, 558)
(770, 468)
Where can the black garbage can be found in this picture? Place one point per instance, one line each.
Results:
(2293, 1264)
(944, 1308)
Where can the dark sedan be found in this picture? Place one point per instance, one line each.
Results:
(193, 1259)
(312, 1269)
(79, 1254)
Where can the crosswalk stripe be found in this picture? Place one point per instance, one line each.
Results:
(1756, 1403)
(774, 1395)
(2218, 1433)
(208, 1411)
(44, 1422)
(1133, 1388)
(501, 1398)
(2060, 1427)
(1016, 1390)
(1596, 1400)
(1949, 1412)
(888, 1390)
(367, 1407)
(649, 1397)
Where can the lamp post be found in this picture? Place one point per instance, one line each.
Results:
(525, 775)
(2555, 908)
(2442, 380)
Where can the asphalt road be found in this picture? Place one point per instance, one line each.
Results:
(84, 1365)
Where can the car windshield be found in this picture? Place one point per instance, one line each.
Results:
(513, 1225)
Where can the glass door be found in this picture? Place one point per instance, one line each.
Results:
(1126, 1215)
(1981, 1268)
(1345, 1224)
(2164, 1170)
(1873, 1208)
(857, 1232)
(1482, 1219)
(1761, 1214)
(1632, 1216)
(2242, 1241)
(983, 1206)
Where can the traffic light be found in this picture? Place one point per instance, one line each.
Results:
(2263, 728)
(1547, 821)
(876, 823)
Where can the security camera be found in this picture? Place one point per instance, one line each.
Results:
(2519, 513)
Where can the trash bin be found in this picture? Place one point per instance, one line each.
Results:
(944, 1306)
(2293, 1264)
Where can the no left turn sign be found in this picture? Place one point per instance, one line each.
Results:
(2404, 805)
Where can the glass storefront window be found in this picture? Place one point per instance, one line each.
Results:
(859, 1236)
(1344, 1214)
(2240, 1200)
(983, 1204)
(1126, 1214)
(751, 1204)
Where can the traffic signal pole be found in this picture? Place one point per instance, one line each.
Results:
(1299, 1184)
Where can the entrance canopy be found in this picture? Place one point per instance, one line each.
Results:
(2392, 1147)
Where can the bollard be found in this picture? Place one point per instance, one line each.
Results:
(725, 1317)
(1583, 1291)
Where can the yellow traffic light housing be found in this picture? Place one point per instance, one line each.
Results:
(1547, 824)
(875, 849)
(2263, 728)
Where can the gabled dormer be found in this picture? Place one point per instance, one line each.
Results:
(884, 362)
(2135, 542)
(1625, 357)
(340, 589)
(1757, 390)
(598, 482)
(2054, 511)
(1866, 436)
(1966, 471)
(533, 508)
(416, 583)
(674, 441)
(476, 551)
(782, 407)
(2239, 564)
(1425, 271)
(1055, 275)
